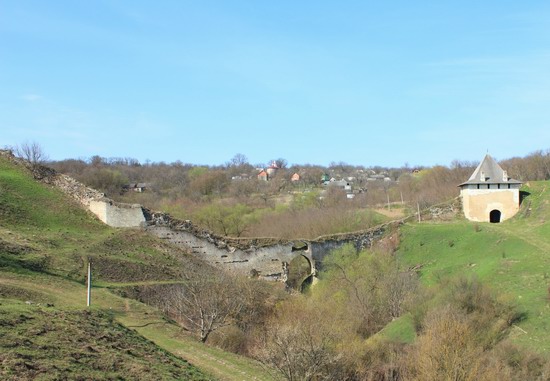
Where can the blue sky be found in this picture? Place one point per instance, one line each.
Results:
(364, 82)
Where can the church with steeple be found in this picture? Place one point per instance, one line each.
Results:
(490, 195)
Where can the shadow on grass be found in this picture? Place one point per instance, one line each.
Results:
(523, 195)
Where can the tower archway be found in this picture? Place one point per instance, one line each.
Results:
(494, 216)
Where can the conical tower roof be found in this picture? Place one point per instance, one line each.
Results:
(489, 172)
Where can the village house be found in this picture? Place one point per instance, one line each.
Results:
(137, 187)
(490, 195)
(242, 176)
(341, 184)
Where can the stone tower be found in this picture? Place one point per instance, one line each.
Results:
(490, 195)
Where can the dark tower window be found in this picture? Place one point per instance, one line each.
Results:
(494, 216)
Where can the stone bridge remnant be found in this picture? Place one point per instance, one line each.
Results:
(266, 258)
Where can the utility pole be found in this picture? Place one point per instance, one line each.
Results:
(89, 293)
(418, 208)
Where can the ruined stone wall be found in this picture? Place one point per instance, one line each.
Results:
(322, 246)
(116, 214)
(267, 258)
(267, 262)
(443, 212)
(110, 212)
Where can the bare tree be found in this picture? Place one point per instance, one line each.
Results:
(205, 303)
(32, 152)
(280, 162)
(238, 160)
(447, 349)
(299, 344)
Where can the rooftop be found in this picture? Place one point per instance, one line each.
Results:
(490, 172)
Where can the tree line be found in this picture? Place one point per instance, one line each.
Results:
(230, 200)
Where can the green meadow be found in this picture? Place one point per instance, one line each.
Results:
(512, 258)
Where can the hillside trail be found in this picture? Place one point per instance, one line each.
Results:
(147, 321)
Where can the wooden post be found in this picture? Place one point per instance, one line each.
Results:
(418, 208)
(89, 293)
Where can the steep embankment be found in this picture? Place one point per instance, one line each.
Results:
(46, 240)
(513, 258)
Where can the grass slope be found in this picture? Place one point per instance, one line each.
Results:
(513, 258)
(45, 243)
(40, 343)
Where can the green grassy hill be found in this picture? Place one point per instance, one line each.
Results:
(46, 331)
(513, 258)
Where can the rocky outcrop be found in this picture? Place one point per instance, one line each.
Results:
(76, 190)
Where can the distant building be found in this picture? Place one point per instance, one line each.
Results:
(343, 184)
(263, 175)
(137, 187)
(490, 195)
(242, 176)
(295, 177)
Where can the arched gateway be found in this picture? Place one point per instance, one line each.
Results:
(494, 216)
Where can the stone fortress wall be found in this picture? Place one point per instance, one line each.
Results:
(116, 214)
(266, 258)
(110, 212)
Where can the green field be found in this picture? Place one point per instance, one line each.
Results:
(512, 257)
